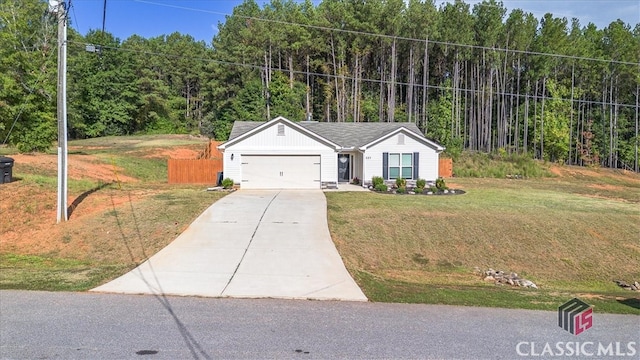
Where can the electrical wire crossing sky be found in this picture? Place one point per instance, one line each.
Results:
(200, 18)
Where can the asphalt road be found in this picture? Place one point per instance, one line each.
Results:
(42, 325)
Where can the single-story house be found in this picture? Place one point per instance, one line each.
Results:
(282, 154)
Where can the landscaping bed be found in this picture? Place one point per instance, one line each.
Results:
(419, 187)
(394, 191)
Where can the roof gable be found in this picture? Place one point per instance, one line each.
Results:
(432, 144)
(244, 129)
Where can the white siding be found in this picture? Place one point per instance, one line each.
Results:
(268, 142)
(428, 166)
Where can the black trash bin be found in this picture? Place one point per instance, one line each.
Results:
(6, 170)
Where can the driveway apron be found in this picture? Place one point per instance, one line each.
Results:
(250, 244)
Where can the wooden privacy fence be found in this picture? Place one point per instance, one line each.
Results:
(445, 168)
(203, 170)
(192, 171)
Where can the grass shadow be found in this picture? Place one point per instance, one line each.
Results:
(632, 302)
(83, 196)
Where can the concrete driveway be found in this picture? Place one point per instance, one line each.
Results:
(251, 244)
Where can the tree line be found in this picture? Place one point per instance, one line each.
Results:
(471, 77)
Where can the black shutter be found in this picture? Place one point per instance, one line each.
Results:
(385, 166)
(416, 162)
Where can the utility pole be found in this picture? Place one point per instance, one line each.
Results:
(637, 138)
(58, 7)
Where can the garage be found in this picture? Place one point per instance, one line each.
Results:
(280, 172)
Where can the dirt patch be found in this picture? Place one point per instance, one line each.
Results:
(593, 296)
(112, 226)
(34, 208)
(577, 172)
(32, 228)
(574, 171)
(80, 167)
(178, 153)
(35, 230)
(555, 170)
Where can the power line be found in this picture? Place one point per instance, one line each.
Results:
(24, 104)
(350, 78)
(75, 19)
(392, 37)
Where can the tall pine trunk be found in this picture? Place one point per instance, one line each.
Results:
(391, 106)
(425, 86)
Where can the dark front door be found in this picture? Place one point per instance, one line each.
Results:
(344, 175)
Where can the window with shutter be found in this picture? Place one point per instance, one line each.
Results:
(399, 165)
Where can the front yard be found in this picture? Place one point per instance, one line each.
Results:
(569, 235)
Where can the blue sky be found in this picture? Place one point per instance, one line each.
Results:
(199, 18)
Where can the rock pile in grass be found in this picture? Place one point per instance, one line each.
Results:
(502, 278)
(633, 287)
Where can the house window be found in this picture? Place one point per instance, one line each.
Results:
(401, 166)
(280, 129)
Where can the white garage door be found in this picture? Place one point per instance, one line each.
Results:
(280, 172)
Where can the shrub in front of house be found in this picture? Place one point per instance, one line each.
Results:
(420, 184)
(401, 190)
(440, 184)
(377, 180)
(380, 187)
(401, 183)
(227, 183)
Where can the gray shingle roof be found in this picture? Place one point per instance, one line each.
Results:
(344, 134)
(241, 127)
